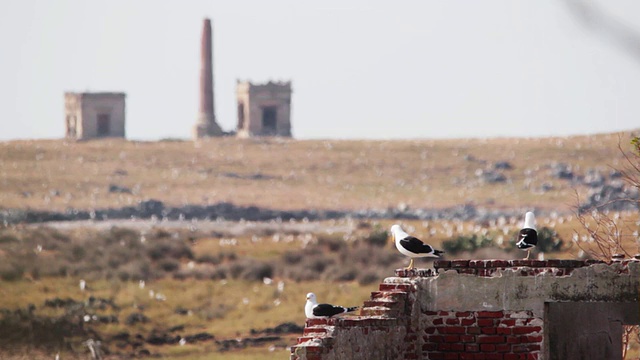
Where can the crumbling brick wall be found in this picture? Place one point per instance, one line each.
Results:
(483, 309)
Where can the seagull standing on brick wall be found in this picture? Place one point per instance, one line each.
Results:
(411, 246)
(314, 310)
(528, 236)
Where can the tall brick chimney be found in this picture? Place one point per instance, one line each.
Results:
(206, 124)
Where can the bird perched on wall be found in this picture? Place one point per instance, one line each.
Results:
(528, 235)
(314, 310)
(411, 246)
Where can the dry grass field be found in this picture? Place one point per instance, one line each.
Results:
(291, 174)
(212, 278)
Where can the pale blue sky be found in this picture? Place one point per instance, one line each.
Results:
(360, 69)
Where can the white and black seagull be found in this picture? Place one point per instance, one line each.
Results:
(411, 246)
(528, 236)
(314, 310)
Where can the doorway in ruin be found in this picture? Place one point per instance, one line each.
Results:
(587, 330)
(240, 116)
(104, 124)
(269, 119)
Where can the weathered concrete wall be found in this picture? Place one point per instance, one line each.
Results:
(497, 309)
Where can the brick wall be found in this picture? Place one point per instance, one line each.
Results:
(504, 335)
(480, 309)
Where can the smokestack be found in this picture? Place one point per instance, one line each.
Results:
(206, 124)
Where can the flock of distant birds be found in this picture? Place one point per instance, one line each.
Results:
(413, 247)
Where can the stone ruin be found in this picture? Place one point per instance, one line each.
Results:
(264, 109)
(487, 309)
(94, 115)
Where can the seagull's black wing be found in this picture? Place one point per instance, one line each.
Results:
(415, 245)
(329, 310)
(527, 238)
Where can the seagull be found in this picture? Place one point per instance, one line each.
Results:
(314, 310)
(411, 246)
(528, 236)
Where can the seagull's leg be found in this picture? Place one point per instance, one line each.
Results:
(528, 254)
(410, 267)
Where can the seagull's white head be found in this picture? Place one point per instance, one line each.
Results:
(312, 298)
(398, 233)
(529, 221)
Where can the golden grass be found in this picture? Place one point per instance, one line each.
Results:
(319, 174)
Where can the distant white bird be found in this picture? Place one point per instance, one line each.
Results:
(411, 246)
(82, 285)
(528, 236)
(314, 310)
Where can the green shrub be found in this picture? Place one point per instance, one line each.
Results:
(466, 243)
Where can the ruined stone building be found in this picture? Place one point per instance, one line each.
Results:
(94, 115)
(264, 109)
(206, 124)
(487, 309)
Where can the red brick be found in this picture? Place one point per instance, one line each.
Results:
(467, 356)
(513, 340)
(488, 330)
(473, 330)
(499, 263)
(467, 322)
(437, 321)
(493, 357)
(467, 338)
(436, 338)
(493, 339)
(485, 322)
(525, 348)
(431, 313)
(530, 339)
(410, 356)
(508, 322)
(451, 330)
(533, 356)
(430, 330)
(451, 356)
(503, 331)
(436, 356)
(485, 272)
(480, 263)
(502, 348)
(317, 322)
(463, 314)
(457, 347)
(444, 347)
(451, 338)
(459, 263)
(472, 347)
(521, 263)
(429, 346)
(444, 313)
(469, 271)
(314, 330)
(487, 347)
(410, 338)
(520, 330)
(490, 314)
(441, 264)
(395, 287)
(511, 357)
(452, 321)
